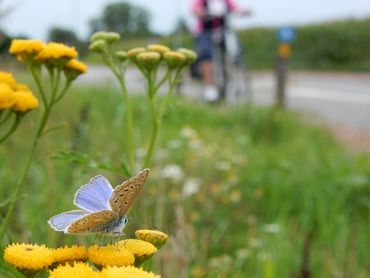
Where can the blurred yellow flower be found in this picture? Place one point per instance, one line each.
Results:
(7, 78)
(7, 99)
(142, 250)
(110, 255)
(157, 238)
(21, 87)
(78, 270)
(76, 65)
(161, 49)
(26, 47)
(127, 272)
(24, 101)
(28, 256)
(149, 59)
(191, 56)
(132, 53)
(57, 51)
(68, 254)
(174, 59)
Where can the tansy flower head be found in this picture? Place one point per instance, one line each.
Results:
(161, 49)
(109, 37)
(126, 271)
(57, 51)
(191, 56)
(148, 60)
(76, 65)
(24, 101)
(157, 238)
(78, 270)
(7, 99)
(174, 59)
(69, 254)
(21, 87)
(133, 53)
(121, 55)
(142, 250)
(7, 77)
(28, 256)
(110, 255)
(26, 48)
(98, 46)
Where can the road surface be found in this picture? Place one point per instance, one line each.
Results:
(337, 98)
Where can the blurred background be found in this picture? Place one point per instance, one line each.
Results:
(244, 189)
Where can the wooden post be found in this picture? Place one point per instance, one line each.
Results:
(281, 74)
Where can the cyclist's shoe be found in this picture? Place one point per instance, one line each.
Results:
(211, 94)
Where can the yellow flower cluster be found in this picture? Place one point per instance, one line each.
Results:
(117, 260)
(146, 58)
(58, 54)
(15, 96)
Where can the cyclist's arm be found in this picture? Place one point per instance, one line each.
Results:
(198, 9)
(237, 9)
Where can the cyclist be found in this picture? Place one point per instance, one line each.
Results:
(211, 16)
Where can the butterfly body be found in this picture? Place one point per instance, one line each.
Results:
(103, 209)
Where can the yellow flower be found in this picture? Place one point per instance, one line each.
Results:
(24, 101)
(7, 77)
(28, 256)
(174, 59)
(21, 87)
(161, 49)
(68, 254)
(142, 250)
(191, 56)
(7, 99)
(78, 270)
(76, 65)
(157, 238)
(110, 255)
(127, 272)
(132, 53)
(57, 51)
(23, 48)
(148, 60)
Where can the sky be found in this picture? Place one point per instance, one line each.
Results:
(34, 17)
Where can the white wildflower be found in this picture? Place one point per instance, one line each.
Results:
(191, 186)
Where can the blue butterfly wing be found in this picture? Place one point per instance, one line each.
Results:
(62, 221)
(95, 195)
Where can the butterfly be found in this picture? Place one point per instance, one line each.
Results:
(103, 210)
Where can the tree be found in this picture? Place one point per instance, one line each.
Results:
(124, 18)
(65, 36)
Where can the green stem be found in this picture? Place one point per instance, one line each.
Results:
(38, 134)
(9, 113)
(36, 76)
(153, 137)
(14, 127)
(165, 77)
(17, 188)
(63, 92)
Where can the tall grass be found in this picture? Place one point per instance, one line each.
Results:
(256, 195)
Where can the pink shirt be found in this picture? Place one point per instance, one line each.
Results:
(198, 6)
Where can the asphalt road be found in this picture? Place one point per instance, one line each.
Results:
(337, 98)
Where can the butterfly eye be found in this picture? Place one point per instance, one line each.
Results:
(125, 220)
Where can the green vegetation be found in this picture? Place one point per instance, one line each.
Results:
(242, 191)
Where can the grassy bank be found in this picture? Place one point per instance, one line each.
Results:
(240, 191)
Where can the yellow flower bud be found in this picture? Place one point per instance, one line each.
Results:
(24, 101)
(112, 37)
(148, 60)
(132, 53)
(157, 238)
(98, 36)
(7, 78)
(161, 49)
(174, 59)
(98, 46)
(121, 55)
(26, 49)
(191, 56)
(74, 68)
(7, 99)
